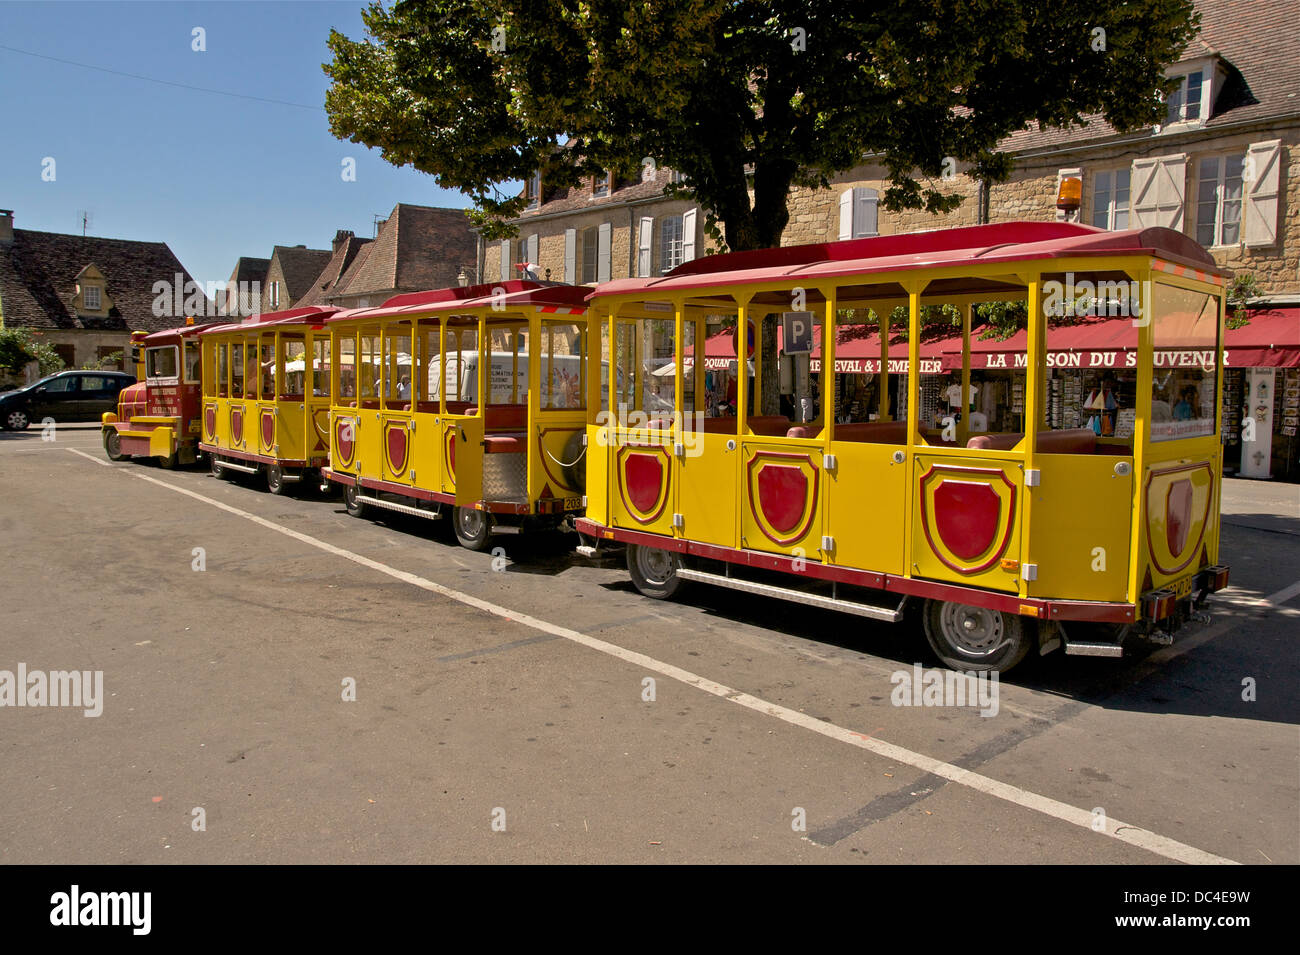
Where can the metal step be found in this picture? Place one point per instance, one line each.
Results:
(797, 596)
(586, 550)
(247, 469)
(400, 508)
(1093, 649)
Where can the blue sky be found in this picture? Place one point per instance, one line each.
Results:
(213, 176)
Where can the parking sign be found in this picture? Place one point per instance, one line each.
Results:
(797, 332)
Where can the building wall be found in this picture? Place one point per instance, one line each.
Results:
(85, 344)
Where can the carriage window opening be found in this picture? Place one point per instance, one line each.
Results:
(293, 368)
(563, 366)
(798, 391)
(193, 359)
(237, 370)
(348, 368)
(625, 368)
(368, 366)
(508, 373)
(266, 366)
(1185, 336)
(320, 366)
(223, 380)
(865, 402)
(999, 357)
(455, 374)
(397, 366)
(160, 362)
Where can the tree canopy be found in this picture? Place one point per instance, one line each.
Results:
(746, 98)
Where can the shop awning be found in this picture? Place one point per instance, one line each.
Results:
(1271, 340)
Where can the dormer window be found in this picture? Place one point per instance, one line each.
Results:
(600, 185)
(90, 298)
(1184, 102)
(533, 190)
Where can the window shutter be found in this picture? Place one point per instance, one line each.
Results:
(846, 214)
(688, 235)
(1264, 162)
(865, 203)
(643, 247)
(1157, 191)
(532, 248)
(570, 255)
(602, 252)
(505, 260)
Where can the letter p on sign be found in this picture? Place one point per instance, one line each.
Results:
(797, 332)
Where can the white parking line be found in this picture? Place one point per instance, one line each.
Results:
(1121, 831)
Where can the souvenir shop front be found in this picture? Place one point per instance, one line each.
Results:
(1091, 382)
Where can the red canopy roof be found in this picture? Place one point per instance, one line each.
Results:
(545, 296)
(998, 242)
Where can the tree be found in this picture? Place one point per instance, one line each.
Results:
(18, 348)
(747, 98)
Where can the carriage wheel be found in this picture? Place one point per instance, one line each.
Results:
(975, 638)
(113, 444)
(168, 462)
(274, 479)
(352, 500)
(473, 528)
(654, 571)
(214, 462)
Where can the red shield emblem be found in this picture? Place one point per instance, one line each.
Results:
(343, 434)
(643, 482)
(237, 425)
(451, 453)
(210, 421)
(395, 439)
(268, 429)
(967, 517)
(1178, 516)
(782, 496)
(782, 491)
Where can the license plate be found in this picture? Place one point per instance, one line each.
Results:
(573, 503)
(1182, 588)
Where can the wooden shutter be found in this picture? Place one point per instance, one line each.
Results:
(865, 203)
(602, 252)
(688, 235)
(570, 256)
(1264, 162)
(643, 247)
(1157, 191)
(846, 214)
(532, 248)
(505, 260)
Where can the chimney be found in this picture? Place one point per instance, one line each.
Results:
(340, 238)
(6, 226)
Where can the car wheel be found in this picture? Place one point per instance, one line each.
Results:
(214, 462)
(975, 638)
(16, 419)
(274, 479)
(352, 500)
(654, 571)
(113, 444)
(473, 528)
(168, 461)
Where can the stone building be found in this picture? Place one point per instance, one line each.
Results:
(84, 295)
(290, 274)
(1224, 168)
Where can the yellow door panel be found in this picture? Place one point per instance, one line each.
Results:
(706, 488)
(782, 493)
(1179, 516)
(966, 523)
(865, 494)
(641, 496)
(466, 452)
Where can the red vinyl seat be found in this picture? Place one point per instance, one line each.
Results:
(1071, 441)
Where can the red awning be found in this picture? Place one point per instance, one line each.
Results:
(1271, 340)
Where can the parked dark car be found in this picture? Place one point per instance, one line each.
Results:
(66, 396)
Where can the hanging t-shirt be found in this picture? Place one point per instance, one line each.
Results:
(953, 394)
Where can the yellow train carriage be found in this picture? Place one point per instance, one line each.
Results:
(463, 401)
(266, 396)
(1039, 503)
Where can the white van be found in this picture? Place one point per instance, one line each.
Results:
(461, 381)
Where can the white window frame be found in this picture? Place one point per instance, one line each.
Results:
(1211, 74)
(86, 293)
(1111, 202)
(275, 295)
(671, 250)
(1220, 198)
(533, 189)
(588, 259)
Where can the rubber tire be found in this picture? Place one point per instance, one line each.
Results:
(113, 444)
(478, 536)
(350, 502)
(17, 419)
(1015, 643)
(168, 462)
(275, 479)
(214, 462)
(650, 580)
